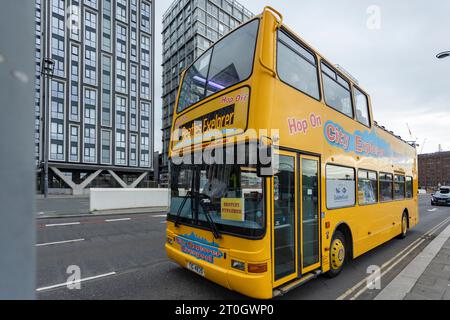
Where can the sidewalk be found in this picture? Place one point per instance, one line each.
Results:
(74, 207)
(426, 277)
(434, 283)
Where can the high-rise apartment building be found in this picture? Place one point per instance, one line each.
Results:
(99, 99)
(189, 28)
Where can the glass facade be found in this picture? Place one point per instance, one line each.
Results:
(190, 27)
(100, 98)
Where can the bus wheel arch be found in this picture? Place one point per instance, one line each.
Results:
(347, 232)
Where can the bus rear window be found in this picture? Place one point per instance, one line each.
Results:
(227, 63)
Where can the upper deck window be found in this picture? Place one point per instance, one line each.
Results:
(297, 66)
(227, 63)
(337, 91)
(362, 107)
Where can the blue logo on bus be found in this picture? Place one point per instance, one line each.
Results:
(199, 248)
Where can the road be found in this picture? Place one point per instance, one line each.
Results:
(123, 257)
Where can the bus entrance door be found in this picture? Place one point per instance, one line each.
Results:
(296, 217)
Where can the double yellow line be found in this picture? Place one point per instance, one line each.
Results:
(353, 293)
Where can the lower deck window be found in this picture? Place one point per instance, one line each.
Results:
(367, 187)
(399, 187)
(386, 187)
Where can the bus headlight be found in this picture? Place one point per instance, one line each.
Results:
(238, 265)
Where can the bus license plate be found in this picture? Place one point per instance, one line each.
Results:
(195, 268)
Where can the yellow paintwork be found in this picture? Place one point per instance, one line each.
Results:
(271, 104)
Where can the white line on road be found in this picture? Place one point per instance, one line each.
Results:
(59, 242)
(160, 216)
(62, 224)
(400, 256)
(432, 210)
(163, 222)
(75, 282)
(117, 220)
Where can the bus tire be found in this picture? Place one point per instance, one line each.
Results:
(338, 254)
(404, 232)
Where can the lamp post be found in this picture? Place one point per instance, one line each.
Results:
(443, 55)
(47, 69)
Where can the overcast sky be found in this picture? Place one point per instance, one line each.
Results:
(389, 46)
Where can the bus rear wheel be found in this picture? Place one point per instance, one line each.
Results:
(404, 226)
(337, 254)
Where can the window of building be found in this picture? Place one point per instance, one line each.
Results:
(297, 66)
(121, 10)
(106, 146)
(386, 187)
(74, 144)
(106, 90)
(367, 187)
(106, 43)
(74, 84)
(91, 3)
(145, 17)
(133, 150)
(340, 187)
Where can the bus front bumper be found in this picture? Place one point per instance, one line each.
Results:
(258, 286)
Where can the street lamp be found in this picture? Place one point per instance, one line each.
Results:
(443, 55)
(47, 69)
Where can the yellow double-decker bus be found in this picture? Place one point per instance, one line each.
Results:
(278, 171)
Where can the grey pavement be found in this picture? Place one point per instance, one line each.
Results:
(78, 206)
(61, 206)
(434, 283)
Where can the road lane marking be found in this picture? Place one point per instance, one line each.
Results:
(399, 255)
(432, 210)
(160, 216)
(58, 242)
(117, 220)
(163, 221)
(75, 282)
(62, 224)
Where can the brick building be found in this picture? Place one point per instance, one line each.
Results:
(434, 170)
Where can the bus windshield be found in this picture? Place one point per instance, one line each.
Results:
(227, 63)
(232, 196)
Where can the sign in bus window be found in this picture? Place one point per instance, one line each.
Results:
(340, 187)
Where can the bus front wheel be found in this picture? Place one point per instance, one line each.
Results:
(337, 254)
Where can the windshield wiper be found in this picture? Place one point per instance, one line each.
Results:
(180, 208)
(205, 203)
